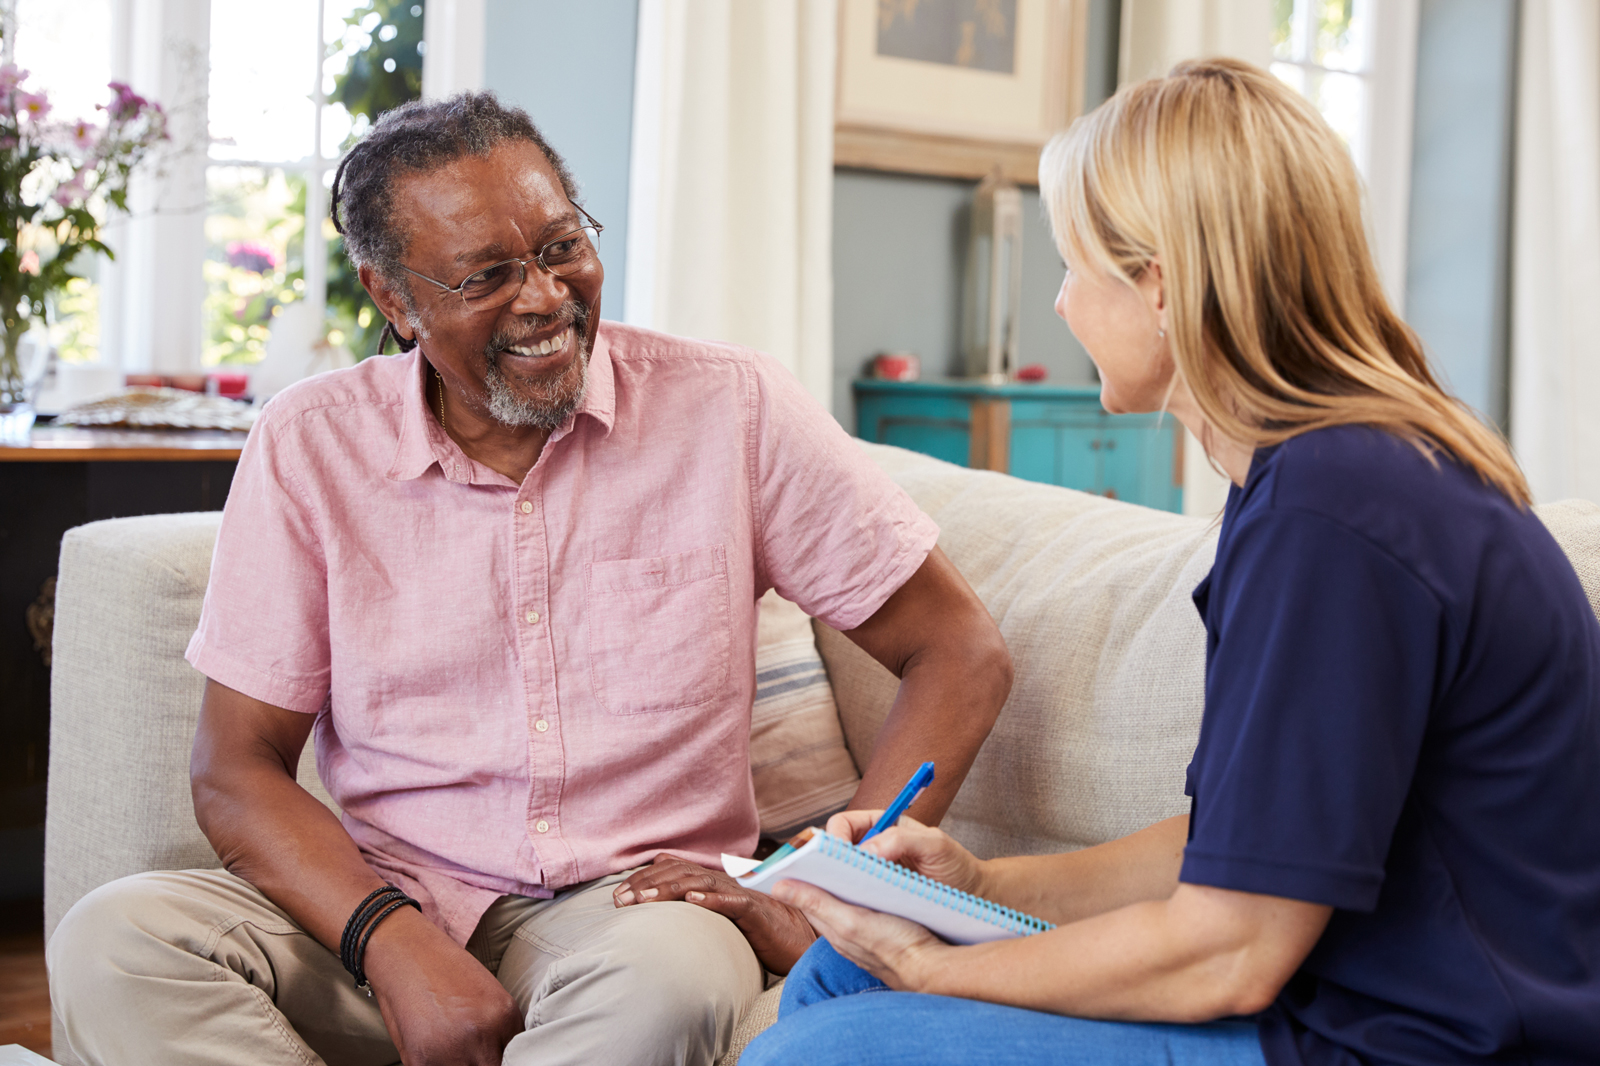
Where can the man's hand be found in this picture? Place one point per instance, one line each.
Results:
(441, 1007)
(778, 933)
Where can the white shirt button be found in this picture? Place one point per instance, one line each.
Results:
(542, 826)
(533, 617)
(527, 508)
(541, 725)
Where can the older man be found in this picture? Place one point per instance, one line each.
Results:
(509, 580)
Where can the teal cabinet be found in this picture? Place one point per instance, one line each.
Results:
(1060, 436)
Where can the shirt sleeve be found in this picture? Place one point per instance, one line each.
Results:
(834, 533)
(264, 626)
(1319, 682)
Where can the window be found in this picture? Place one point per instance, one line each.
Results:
(1355, 60)
(289, 91)
(1318, 46)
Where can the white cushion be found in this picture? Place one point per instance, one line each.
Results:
(1092, 597)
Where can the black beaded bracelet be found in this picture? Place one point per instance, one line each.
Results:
(360, 973)
(378, 905)
(358, 918)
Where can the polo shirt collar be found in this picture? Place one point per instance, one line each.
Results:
(423, 442)
(600, 393)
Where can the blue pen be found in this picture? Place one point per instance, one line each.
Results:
(908, 795)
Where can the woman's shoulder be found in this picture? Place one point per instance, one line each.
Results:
(1421, 506)
(1347, 472)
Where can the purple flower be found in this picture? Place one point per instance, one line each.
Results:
(125, 103)
(11, 76)
(253, 256)
(33, 105)
(84, 133)
(71, 191)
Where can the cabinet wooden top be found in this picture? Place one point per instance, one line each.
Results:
(79, 444)
(1018, 390)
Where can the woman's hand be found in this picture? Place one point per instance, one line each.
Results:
(931, 852)
(901, 954)
(777, 933)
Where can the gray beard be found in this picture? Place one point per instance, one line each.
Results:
(553, 401)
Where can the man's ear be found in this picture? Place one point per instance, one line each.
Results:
(390, 305)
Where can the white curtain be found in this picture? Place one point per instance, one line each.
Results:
(731, 183)
(1555, 302)
(1159, 33)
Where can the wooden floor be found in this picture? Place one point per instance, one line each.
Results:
(24, 992)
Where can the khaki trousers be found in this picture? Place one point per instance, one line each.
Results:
(198, 967)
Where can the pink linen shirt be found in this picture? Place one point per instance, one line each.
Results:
(523, 687)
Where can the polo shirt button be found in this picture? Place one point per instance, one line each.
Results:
(541, 725)
(542, 826)
(533, 617)
(527, 508)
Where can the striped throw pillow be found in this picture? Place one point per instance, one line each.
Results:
(802, 770)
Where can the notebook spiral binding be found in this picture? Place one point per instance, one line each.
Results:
(961, 902)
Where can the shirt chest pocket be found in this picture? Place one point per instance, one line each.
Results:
(658, 628)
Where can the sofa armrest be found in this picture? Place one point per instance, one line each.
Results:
(124, 703)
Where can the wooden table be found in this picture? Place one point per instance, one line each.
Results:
(77, 444)
(63, 477)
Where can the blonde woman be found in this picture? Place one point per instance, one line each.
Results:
(1393, 853)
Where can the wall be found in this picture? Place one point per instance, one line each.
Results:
(570, 66)
(1458, 243)
(900, 245)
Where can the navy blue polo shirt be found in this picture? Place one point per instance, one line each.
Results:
(1402, 722)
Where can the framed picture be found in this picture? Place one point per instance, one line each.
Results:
(956, 87)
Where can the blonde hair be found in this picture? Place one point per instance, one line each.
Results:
(1276, 318)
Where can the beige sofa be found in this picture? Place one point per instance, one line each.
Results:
(1092, 596)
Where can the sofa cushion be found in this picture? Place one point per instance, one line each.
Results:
(1576, 526)
(1092, 597)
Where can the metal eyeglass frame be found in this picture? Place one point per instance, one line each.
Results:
(536, 257)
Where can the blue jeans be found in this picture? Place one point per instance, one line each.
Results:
(834, 1012)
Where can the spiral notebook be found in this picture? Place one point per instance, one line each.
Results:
(862, 878)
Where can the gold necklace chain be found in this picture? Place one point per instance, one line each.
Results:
(440, 380)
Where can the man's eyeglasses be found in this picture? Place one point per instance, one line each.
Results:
(497, 285)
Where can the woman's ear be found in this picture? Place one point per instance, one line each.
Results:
(1152, 286)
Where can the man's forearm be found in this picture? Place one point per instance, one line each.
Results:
(936, 636)
(948, 701)
(439, 1002)
(276, 835)
(266, 828)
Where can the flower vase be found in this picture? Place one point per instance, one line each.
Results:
(16, 411)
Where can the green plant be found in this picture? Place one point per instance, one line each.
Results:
(384, 71)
